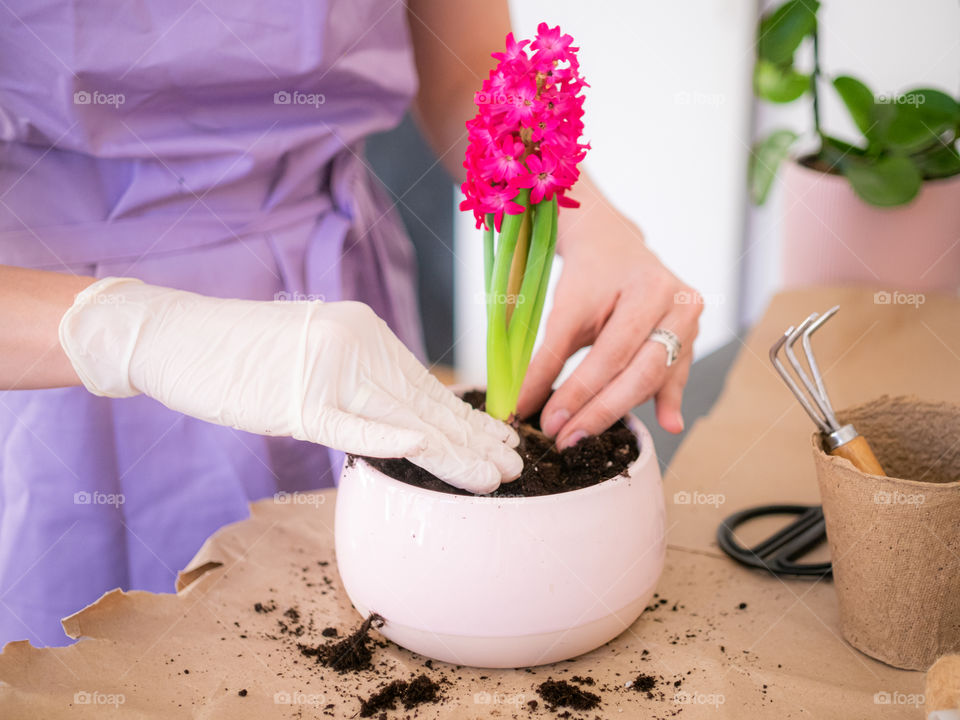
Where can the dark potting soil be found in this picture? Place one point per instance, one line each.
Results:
(546, 470)
(418, 691)
(402, 694)
(560, 693)
(350, 654)
(645, 683)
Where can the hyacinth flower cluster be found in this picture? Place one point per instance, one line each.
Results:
(522, 159)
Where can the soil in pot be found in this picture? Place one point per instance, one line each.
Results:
(546, 470)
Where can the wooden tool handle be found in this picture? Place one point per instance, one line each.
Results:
(859, 453)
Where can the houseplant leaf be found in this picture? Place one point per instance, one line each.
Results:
(913, 120)
(939, 162)
(835, 154)
(910, 128)
(859, 101)
(780, 33)
(922, 117)
(936, 107)
(778, 84)
(891, 180)
(765, 158)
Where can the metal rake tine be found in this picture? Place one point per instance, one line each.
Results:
(801, 372)
(794, 388)
(812, 362)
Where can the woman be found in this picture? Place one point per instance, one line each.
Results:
(216, 148)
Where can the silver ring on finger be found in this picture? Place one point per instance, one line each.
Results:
(670, 341)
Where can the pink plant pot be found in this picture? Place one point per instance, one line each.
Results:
(831, 236)
(502, 582)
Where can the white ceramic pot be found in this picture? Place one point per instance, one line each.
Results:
(502, 581)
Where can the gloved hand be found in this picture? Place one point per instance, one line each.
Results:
(330, 373)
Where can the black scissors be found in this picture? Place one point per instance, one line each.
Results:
(778, 552)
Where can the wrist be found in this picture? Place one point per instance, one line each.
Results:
(96, 337)
(594, 223)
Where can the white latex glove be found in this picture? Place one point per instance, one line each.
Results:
(330, 373)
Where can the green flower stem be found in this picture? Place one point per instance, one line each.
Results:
(519, 265)
(511, 336)
(524, 316)
(536, 311)
(488, 252)
(499, 376)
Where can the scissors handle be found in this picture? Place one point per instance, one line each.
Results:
(778, 552)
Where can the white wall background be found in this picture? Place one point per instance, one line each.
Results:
(670, 115)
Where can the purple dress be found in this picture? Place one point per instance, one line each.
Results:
(214, 147)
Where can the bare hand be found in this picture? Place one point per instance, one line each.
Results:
(612, 293)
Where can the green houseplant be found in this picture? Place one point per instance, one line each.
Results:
(880, 209)
(905, 139)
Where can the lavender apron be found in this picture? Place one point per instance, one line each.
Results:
(213, 146)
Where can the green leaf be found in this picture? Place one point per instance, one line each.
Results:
(499, 375)
(908, 122)
(779, 34)
(835, 153)
(891, 180)
(908, 130)
(917, 119)
(488, 256)
(543, 245)
(859, 101)
(935, 107)
(522, 320)
(765, 159)
(940, 162)
(778, 84)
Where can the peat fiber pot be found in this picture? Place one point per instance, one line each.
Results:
(502, 582)
(893, 539)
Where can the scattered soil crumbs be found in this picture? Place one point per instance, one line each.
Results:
(645, 684)
(353, 654)
(350, 654)
(292, 625)
(387, 691)
(546, 470)
(560, 693)
(418, 691)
